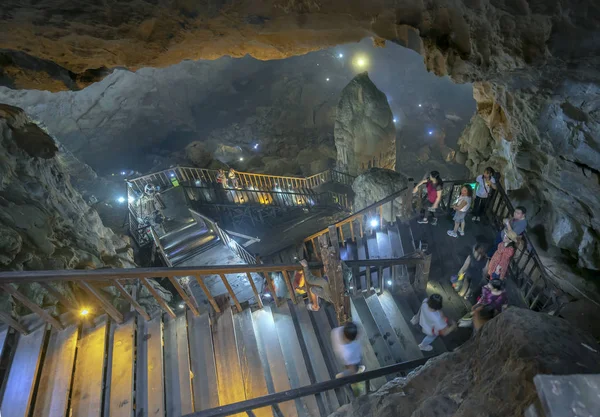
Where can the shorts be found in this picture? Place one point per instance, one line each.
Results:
(459, 216)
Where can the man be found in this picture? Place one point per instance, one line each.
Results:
(517, 224)
(317, 288)
(432, 321)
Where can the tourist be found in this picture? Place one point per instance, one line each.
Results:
(233, 178)
(485, 184)
(434, 186)
(516, 224)
(432, 321)
(474, 270)
(462, 205)
(222, 178)
(317, 288)
(494, 295)
(347, 347)
(481, 315)
(498, 265)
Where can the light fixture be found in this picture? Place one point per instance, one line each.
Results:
(327, 79)
(430, 132)
(84, 312)
(172, 175)
(241, 158)
(121, 200)
(182, 306)
(420, 105)
(267, 295)
(197, 182)
(340, 55)
(351, 287)
(394, 120)
(389, 282)
(122, 172)
(374, 222)
(256, 146)
(360, 62)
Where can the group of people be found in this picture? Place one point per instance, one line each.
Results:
(224, 178)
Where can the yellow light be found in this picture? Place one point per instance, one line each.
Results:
(360, 62)
(84, 312)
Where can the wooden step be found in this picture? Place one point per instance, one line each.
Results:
(179, 400)
(229, 370)
(403, 329)
(380, 346)
(272, 358)
(19, 388)
(150, 399)
(202, 360)
(255, 384)
(385, 328)
(294, 359)
(315, 356)
(86, 398)
(122, 369)
(57, 372)
(368, 353)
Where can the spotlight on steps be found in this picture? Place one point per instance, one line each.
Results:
(172, 175)
(121, 200)
(181, 306)
(84, 312)
(374, 222)
(389, 282)
(197, 182)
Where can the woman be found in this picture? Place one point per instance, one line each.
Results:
(485, 184)
(473, 269)
(498, 265)
(494, 295)
(233, 178)
(462, 205)
(434, 185)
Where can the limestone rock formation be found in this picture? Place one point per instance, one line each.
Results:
(364, 133)
(490, 375)
(376, 184)
(44, 221)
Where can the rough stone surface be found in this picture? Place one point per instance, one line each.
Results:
(364, 132)
(376, 184)
(490, 375)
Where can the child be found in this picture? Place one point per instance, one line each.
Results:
(346, 344)
(485, 184)
(432, 321)
(461, 207)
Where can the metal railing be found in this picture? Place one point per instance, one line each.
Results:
(272, 400)
(201, 176)
(116, 280)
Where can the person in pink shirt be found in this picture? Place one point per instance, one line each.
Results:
(434, 185)
(498, 265)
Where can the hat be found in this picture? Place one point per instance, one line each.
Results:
(511, 235)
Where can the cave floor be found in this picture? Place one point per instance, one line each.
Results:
(448, 255)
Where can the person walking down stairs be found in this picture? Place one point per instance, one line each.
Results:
(432, 321)
(317, 288)
(347, 347)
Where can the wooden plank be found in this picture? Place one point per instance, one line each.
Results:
(229, 371)
(288, 284)
(131, 300)
(10, 289)
(106, 305)
(150, 401)
(86, 399)
(57, 372)
(255, 384)
(253, 285)
(294, 360)
(178, 381)
(272, 357)
(121, 377)
(316, 356)
(162, 303)
(385, 328)
(210, 298)
(202, 360)
(231, 293)
(19, 387)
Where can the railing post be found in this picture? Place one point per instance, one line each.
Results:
(332, 264)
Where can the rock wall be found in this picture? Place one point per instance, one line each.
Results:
(376, 184)
(44, 221)
(490, 375)
(364, 132)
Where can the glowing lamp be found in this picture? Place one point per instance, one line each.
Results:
(172, 175)
(389, 282)
(181, 306)
(84, 312)
(340, 55)
(374, 222)
(420, 105)
(394, 120)
(327, 79)
(241, 159)
(121, 200)
(430, 132)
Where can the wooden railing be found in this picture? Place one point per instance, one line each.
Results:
(201, 176)
(95, 283)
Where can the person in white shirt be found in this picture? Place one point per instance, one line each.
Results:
(432, 321)
(485, 184)
(461, 207)
(346, 345)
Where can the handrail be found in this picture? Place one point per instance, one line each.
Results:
(292, 394)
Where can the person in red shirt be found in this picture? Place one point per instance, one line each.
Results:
(498, 266)
(434, 185)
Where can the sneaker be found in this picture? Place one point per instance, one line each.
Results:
(425, 348)
(434, 222)
(452, 233)
(361, 369)
(415, 320)
(312, 307)
(461, 232)
(423, 221)
(476, 218)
